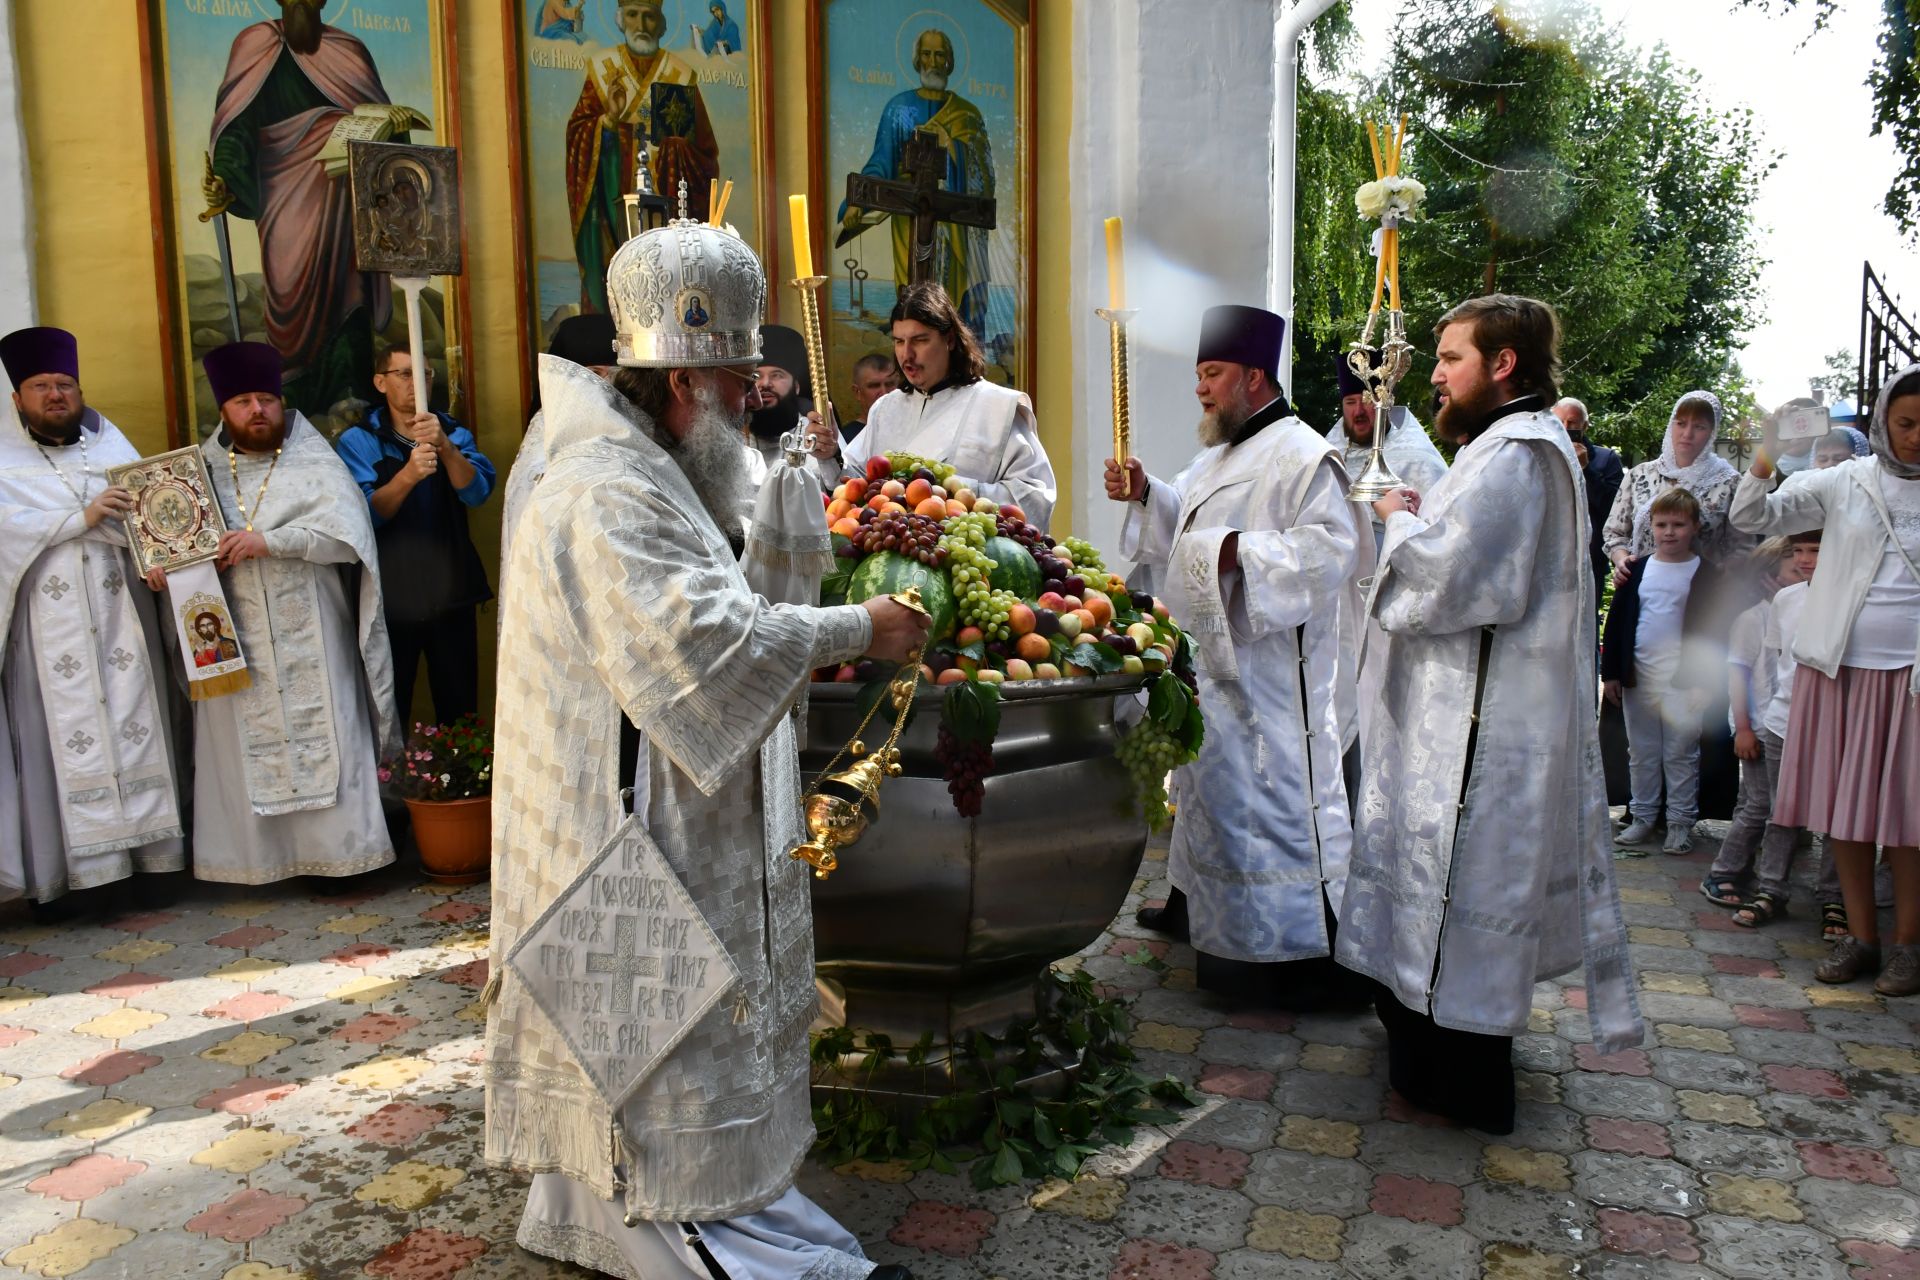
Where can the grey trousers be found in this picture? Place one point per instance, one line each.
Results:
(1755, 843)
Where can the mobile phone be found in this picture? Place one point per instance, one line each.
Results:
(1805, 422)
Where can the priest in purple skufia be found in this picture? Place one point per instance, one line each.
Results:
(1262, 555)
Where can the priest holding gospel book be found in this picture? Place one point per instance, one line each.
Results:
(88, 790)
(948, 412)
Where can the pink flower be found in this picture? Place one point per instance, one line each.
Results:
(385, 774)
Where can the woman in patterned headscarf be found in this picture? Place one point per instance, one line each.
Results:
(1851, 765)
(1687, 461)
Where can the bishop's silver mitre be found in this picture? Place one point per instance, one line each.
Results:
(686, 295)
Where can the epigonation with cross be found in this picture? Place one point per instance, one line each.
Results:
(920, 195)
(626, 964)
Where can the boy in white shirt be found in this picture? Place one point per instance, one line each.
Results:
(1653, 612)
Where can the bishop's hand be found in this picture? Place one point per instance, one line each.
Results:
(237, 545)
(823, 441)
(156, 578)
(1128, 484)
(898, 632)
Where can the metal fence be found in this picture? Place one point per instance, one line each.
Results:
(1888, 340)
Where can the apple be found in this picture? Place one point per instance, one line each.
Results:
(1070, 603)
(1154, 660)
(1017, 669)
(878, 468)
(1012, 512)
(1075, 671)
(986, 507)
(966, 497)
(1160, 612)
(967, 636)
(1132, 665)
(1046, 671)
(1069, 625)
(926, 673)
(893, 489)
(952, 675)
(987, 675)
(940, 492)
(1052, 601)
(1142, 634)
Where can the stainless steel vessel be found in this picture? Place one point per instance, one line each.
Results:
(943, 924)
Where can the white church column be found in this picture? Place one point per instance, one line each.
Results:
(1172, 131)
(17, 301)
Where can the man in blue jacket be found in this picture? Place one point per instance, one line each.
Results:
(420, 472)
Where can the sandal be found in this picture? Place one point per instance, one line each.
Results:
(1833, 921)
(1763, 909)
(1722, 891)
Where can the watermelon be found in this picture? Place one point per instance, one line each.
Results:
(886, 572)
(1013, 568)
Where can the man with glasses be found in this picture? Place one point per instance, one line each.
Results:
(421, 471)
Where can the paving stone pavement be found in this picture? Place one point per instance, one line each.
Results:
(265, 1084)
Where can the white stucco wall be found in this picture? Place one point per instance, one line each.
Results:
(16, 210)
(1172, 130)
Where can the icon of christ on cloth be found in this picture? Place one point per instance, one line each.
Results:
(634, 93)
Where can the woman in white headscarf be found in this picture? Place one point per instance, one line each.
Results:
(1687, 461)
(1851, 766)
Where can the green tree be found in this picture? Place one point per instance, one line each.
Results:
(1841, 381)
(1567, 167)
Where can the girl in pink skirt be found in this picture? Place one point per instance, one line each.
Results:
(1852, 762)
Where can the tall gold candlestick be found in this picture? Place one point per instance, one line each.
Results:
(809, 287)
(1117, 318)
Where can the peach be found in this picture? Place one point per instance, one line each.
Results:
(894, 508)
(879, 502)
(893, 489)
(1088, 623)
(846, 526)
(933, 508)
(1053, 600)
(837, 508)
(987, 675)
(965, 497)
(1033, 646)
(1012, 512)
(856, 489)
(1020, 619)
(1097, 604)
(952, 675)
(917, 492)
(1046, 671)
(967, 636)
(957, 508)
(1017, 669)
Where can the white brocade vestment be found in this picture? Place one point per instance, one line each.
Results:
(628, 601)
(1262, 829)
(88, 792)
(985, 431)
(285, 772)
(1482, 859)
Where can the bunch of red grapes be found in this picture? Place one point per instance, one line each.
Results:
(907, 534)
(966, 767)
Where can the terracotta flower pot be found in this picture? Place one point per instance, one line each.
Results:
(455, 838)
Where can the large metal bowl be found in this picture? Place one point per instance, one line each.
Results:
(944, 924)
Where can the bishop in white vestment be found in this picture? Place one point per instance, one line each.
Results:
(285, 772)
(646, 1051)
(949, 412)
(1483, 857)
(1261, 555)
(88, 790)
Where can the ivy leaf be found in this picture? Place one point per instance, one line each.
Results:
(1006, 1167)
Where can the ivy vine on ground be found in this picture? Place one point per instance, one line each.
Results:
(990, 1121)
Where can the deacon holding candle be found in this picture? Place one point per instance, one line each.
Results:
(1262, 556)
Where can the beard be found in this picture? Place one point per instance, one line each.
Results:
(257, 434)
(1457, 416)
(778, 418)
(300, 23)
(60, 428)
(935, 79)
(643, 43)
(713, 457)
(1218, 424)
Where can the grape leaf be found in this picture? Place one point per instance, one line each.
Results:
(972, 711)
(1101, 659)
(1193, 730)
(1168, 703)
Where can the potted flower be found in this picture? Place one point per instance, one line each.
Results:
(445, 774)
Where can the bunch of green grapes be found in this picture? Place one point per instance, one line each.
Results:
(903, 466)
(1085, 558)
(1150, 753)
(971, 571)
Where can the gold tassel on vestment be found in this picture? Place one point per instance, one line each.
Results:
(219, 686)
